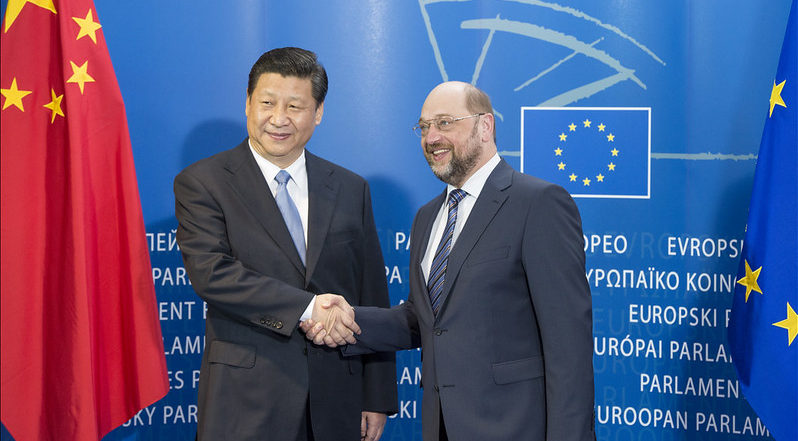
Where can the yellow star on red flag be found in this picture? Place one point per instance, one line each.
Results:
(55, 105)
(88, 27)
(58, 181)
(15, 7)
(14, 95)
(80, 75)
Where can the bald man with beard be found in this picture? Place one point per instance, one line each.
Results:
(499, 301)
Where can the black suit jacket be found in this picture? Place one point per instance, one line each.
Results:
(258, 371)
(510, 354)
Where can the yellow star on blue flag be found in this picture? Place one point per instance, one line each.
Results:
(763, 328)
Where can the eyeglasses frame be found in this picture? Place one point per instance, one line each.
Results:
(422, 132)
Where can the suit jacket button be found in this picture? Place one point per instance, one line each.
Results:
(438, 332)
(278, 325)
(263, 321)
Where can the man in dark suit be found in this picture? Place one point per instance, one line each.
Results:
(265, 228)
(498, 298)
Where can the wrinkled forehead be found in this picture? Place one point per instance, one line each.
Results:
(444, 100)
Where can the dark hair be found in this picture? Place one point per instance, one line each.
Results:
(291, 62)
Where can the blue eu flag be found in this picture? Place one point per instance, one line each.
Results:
(599, 152)
(764, 324)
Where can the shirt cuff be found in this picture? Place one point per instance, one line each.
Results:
(308, 311)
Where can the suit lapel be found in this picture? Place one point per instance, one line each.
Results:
(490, 200)
(322, 194)
(419, 247)
(247, 180)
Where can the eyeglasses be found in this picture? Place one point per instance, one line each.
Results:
(443, 124)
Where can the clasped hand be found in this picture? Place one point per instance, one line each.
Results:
(332, 322)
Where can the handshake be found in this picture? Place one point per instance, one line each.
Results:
(332, 322)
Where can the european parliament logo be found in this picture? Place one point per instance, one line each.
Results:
(593, 152)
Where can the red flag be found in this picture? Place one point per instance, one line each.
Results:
(81, 342)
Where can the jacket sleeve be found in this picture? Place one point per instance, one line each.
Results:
(220, 278)
(379, 369)
(385, 330)
(554, 261)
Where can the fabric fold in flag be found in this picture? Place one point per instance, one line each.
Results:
(81, 341)
(764, 324)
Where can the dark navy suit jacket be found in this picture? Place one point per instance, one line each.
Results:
(509, 355)
(258, 371)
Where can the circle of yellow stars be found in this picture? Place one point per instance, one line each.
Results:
(15, 95)
(563, 137)
(751, 283)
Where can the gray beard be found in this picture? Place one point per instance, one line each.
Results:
(458, 167)
(455, 171)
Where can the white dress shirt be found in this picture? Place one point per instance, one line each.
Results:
(472, 187)
(297, 188)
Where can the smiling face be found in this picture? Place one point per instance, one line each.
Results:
(453, 163)
(281, 116)
(459, 151)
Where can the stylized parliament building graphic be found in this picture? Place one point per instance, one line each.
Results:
(591, 152)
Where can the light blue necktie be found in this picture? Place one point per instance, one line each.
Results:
(437, 273)
(290, 213)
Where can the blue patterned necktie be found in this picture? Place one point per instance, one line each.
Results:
(437, 272)
(290, 213)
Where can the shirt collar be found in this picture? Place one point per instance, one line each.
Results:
(473, 186)
(297, 170)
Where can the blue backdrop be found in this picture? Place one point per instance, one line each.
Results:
(667, 103)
